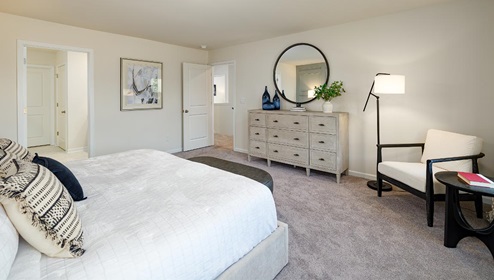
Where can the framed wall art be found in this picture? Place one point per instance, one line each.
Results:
(140, 84)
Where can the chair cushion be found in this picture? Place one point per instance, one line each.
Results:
(411, 174)
(441, 144)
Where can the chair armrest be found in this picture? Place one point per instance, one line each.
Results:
(428, 175)
(405, 145)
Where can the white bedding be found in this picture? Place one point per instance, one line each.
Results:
(152, 215)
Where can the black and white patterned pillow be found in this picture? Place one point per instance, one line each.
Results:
(14, 148)
(42, 211)
(7, 166)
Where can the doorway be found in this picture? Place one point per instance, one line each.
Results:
(69, 111)
(224, 104)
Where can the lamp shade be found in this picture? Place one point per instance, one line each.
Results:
(389, 84)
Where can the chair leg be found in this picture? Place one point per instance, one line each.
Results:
(429, 208)
(379, 186)
(479, 206)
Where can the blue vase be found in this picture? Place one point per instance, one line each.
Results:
(266, 100)
(276, 100)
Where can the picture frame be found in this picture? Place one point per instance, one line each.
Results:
(141, 84)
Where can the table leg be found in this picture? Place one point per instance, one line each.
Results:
(456, 226)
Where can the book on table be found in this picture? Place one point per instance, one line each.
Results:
(475, 179)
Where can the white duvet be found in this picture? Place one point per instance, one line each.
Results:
(152, 215)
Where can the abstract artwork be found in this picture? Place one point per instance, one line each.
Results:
(140, 84)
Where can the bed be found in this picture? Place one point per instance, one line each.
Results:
(152, 215)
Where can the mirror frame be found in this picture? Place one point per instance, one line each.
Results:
(276, 64)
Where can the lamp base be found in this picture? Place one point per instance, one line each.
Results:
(373, 185)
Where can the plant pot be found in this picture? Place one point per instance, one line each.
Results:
(327, 107)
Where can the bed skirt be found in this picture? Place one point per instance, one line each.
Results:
(265, 261)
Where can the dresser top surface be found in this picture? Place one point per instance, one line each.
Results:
(288, 112)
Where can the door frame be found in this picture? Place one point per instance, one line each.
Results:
(233, 95)
(22, 46)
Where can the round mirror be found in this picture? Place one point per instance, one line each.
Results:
(299, 69)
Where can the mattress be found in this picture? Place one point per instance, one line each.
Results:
(152, 215)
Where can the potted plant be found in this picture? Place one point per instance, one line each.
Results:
(327, 93)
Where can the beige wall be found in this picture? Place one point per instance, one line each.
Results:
(77, 100)
(113, 130)
(446, 53)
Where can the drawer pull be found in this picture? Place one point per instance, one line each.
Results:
(275, 151)
(257, 120)
(257, 133)
(296, 139)
(321, 124)
(321, 142)
(296, 123)
(321, 159)
(275, 136)
(296, 155)
(257, 148)
(275, 121)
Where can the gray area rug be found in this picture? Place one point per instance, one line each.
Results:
(344, 231)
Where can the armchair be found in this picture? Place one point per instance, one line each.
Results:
(442, 151)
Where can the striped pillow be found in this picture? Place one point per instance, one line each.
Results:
(7, 166)
(42, 211)
(14, 148)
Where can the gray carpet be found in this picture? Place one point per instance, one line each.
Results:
(344, 231)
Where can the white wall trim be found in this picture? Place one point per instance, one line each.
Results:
(22, 45)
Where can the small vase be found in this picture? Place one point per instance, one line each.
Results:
(327, 107)
(276, 100)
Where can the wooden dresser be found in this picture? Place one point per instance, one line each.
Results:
(313, 140)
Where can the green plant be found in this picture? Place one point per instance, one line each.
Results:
(328, 93)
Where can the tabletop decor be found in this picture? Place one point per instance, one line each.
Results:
(327, 93)
(140, 84)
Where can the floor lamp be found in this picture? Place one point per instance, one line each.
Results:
(383, 83)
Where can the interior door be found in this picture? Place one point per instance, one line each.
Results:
(40, 92)
(197, 106)
(61, 107)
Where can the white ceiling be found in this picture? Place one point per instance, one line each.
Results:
(215, 23)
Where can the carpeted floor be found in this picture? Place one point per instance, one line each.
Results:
(344, 231)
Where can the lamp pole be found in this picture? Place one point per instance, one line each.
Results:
(373, 183)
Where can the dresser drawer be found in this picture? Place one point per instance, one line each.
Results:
(288, 137)
(323, 160)
(323, 141)
(288, 122)
(257, 133)
(323, 124)
(257, 119)
(257, 148)
(288, 154)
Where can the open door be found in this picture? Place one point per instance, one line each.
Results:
(61, 107)
(197, 110)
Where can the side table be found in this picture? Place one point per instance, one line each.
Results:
(456, 226)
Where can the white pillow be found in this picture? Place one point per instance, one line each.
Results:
(9, 242)
(42, 211)
(441, 144)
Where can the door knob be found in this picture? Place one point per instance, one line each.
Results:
(63, 112)
(186, 111)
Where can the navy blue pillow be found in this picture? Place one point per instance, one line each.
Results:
(64, 175)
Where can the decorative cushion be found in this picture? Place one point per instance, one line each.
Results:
(42, 211)
(441, 144)
(64, 175)
(9, 241)
(14, 148)
(7, 166)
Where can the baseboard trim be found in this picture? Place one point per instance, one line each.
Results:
(175, 150)
(77, 150)
(361, 175)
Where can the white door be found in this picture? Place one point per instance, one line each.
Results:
(61, 107)
(40, 92)
(197, 106)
